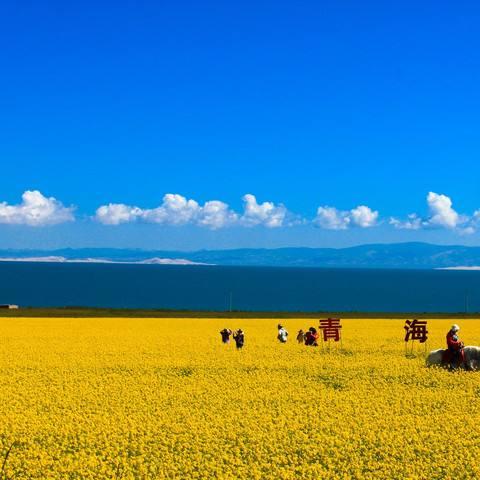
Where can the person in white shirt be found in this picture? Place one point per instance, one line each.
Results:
(282, 334)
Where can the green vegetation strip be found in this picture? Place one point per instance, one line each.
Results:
(123, 312)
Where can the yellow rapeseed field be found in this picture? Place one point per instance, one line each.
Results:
(163, 398)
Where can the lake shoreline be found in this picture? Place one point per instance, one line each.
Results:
(86, 312)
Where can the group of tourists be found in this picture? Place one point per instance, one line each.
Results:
(309, 338)
(454, 354)
(238, 336)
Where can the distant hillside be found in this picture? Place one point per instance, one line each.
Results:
(400, 255)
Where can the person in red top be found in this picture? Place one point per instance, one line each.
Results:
(311, 337)
(455, 354)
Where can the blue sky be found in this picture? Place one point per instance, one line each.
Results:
(304, 105)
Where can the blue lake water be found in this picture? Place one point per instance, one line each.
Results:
(249, 288)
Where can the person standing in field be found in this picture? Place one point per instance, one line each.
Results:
(239, 338)
(282, 334)
(311, 337)
(301, 336)
(226, 333)
(455, 353)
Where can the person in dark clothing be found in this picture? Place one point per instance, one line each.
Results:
(311, 337)
(239, 338)
(226, 333)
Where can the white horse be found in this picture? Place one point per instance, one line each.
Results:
(472, 358)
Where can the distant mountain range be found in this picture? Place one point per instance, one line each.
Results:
(399, 255)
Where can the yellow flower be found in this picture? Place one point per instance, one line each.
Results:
(164, 398)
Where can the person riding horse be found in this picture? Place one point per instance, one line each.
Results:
(454, 355)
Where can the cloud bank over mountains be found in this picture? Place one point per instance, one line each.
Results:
(37, 210)
(178, 210)
(333, 219)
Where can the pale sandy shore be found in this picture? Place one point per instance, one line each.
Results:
(460, 268)
(59, 259)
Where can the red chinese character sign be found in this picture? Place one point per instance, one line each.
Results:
(331, 330)
(415, 330)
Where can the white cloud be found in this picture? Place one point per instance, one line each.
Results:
(413, 222)
(36, 210)
(178, 210)
(442, 215)
(266, 213)
(216, 214)
(333, 219)
(473, 223)
(363, 216)
(175, 210)
(468, 230)
(116, 213)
